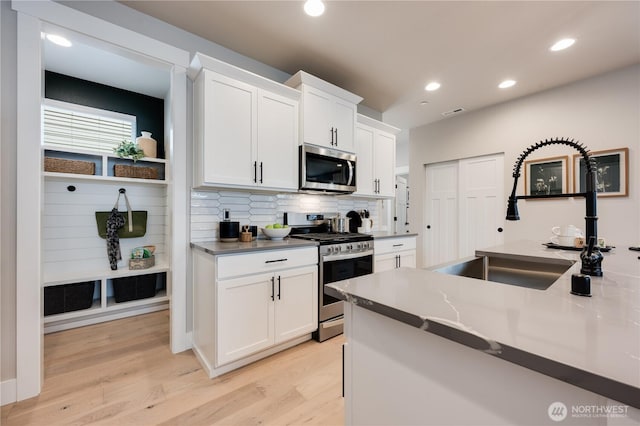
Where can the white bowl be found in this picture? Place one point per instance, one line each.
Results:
(276, 233)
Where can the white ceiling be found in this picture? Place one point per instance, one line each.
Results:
(386, 51)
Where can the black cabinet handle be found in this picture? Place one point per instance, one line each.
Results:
(399, 261)
(255, 171)
(276, 260)
(272, 288)
(261, 172)
(500, 229)
(428, 226)
(278, 287)
(332, 136)
(336, 136)
(398, 245)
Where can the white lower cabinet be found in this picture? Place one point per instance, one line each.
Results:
(391, 253)
(241, 315)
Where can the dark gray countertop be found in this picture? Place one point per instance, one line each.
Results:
(218, 247)
(590, 342)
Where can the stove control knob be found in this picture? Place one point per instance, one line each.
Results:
(329, 250)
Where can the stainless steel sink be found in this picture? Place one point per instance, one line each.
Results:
(529, 272)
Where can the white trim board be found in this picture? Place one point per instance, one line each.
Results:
(8, 392)
(58, 14)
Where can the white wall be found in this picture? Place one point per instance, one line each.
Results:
(602, 112)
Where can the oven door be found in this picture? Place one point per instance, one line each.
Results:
(323, 169)
(336, 268)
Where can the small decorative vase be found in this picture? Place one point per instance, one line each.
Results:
(148, 144)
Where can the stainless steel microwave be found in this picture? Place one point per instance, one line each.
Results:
(328, 170)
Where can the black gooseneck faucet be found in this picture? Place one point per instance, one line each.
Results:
(591, 256)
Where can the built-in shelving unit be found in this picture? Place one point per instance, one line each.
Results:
(104, 165)
(73, 252)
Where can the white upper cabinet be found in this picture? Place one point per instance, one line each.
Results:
(226, 111)
(327, 113)
(277, 159)
(376, 158)
(245, 128)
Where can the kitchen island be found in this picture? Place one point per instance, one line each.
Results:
(425, 347)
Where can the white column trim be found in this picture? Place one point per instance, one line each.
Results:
(179, 201)
(8, 392)
(29, 322)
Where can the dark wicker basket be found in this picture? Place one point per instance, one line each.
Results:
(138, 172)
(62, 165)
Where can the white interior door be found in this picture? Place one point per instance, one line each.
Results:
(481, 203)
(441, 213)
(464, 208)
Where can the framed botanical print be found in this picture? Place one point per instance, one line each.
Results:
(546, 176)
(612, 172)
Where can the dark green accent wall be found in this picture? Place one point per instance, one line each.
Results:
(149, 111)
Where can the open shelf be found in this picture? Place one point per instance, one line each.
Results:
(104, 165)
(66, 276)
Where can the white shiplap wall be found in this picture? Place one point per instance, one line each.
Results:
(263, 209)
(71, 245)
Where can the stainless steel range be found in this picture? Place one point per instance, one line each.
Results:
(341, 256)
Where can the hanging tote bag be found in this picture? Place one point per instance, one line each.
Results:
(135, 221)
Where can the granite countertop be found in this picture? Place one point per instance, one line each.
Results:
(219, 247)
(590, 342)
(378, 235)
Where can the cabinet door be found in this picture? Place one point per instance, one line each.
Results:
(364, 165)
(408, 259)
(344, 121)
(229, 131)
(385, 164)
(277, 141)
(244, 321)
(385, 262)
(296, 310)
(316, 117)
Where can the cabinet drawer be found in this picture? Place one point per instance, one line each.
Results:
(390, 245)
(264, 261)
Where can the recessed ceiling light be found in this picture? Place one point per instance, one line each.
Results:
(314, 7)
(434, 85)
(507, 83)
(423, 103)
(562, 44)
(59, 40)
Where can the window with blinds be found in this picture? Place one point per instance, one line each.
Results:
(68, 125)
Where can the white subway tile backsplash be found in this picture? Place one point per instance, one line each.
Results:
(262, 209)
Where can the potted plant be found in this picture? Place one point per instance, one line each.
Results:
(128, 149)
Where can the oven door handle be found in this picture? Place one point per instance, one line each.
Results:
(332, 257)
(332, 323)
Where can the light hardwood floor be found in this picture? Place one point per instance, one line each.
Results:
(123, 373)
